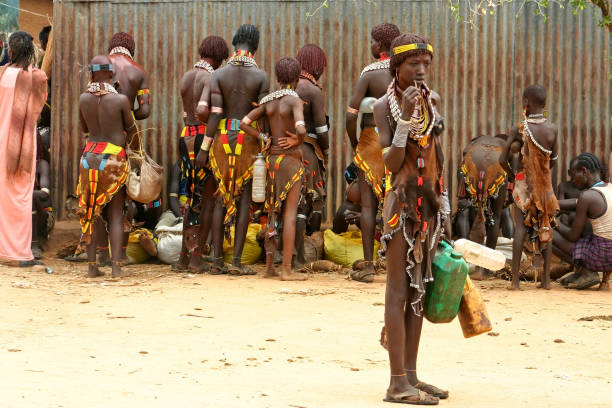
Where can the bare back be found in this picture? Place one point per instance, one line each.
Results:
(545, 134)
(239, 87)
(130, 75)
(192, 85)
(105, 117)
(371, 84)
(282, 117)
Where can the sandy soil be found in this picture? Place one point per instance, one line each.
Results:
(161, 339)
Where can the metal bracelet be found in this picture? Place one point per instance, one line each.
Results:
(216, 109)
(300, 123)
(352, 110)
(206, 144)
(321, 129)
(246, 120)
(203, 103)
(45, 190)
(263, 137)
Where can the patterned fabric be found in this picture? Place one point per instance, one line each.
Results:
(189, 144)
(103, 171)
(368, 157)
(593, 252)
(231, 159)
(314, 168)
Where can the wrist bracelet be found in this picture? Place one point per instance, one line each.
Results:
(352, 110)
(321, 129)
(401, 133)
(246, 120)
(300, 123)
(206, 144)
(216, 109)
(203, 103)
(263, 137)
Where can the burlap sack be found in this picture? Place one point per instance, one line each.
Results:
(144, 183)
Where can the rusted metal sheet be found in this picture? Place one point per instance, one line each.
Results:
(480, 73)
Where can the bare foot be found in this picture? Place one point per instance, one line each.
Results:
(513, 287)
(604, 286)
(116, 273)
(94, 272)
(147, 244)
(287, 275)
(271, 272)
(542, 286)
(104, 258)
(197, 263)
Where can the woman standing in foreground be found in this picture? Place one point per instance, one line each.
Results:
(412, 212)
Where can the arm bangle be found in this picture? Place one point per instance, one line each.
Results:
(300, 123)
(203, 103)
(352, 110)
(216, 109)
(173, 195)
(246, 120)
(45, 190)
(554, 158)
(132, 126)
(321, 129)
(206, 144)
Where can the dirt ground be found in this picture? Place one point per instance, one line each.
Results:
(162, 339)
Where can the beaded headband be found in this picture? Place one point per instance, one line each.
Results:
(410, 47)
(101, 67)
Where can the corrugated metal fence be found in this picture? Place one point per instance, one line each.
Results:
(479, 73)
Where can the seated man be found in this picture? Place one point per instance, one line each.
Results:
(107, 117)
(283, 109)
(591, 253)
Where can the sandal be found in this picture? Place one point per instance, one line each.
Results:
(585, 281)
(431, 390)
(366, 274)
(241, 270)
(413, 396)
(31, 262)
(218, 266)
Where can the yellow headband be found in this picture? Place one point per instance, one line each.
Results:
(411, 47)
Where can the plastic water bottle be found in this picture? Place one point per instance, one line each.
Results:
(480, 255)
(259, 179)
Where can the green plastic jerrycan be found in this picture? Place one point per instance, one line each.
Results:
(443, 295)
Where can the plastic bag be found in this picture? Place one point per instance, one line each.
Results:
(251, 251)
(345, 248)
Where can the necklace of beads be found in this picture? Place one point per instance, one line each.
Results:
(242, 57)
(204, 65)
(421, 124)
(536, 118)
(100, 88)
(382, 64)
(277, 95)
(535, 142)
(309, 77)
(121, 50)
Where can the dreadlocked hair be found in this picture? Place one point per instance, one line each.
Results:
(43, 36)
(313, 59)
(247, 34)
(287, 70)
(404, 39)
(590, 162)
(22, 49)
(124, 40)
(215, 48)
(385, 33)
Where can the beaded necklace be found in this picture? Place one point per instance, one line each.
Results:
(277, 95)
(382, 64)
(536, 118)
(100, 88)
(421, 124)
(244, 58)
(535, 142)
(121, 50)
(204, 65)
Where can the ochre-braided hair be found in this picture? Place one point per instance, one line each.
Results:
(124, 40)
(215, 48)
(313, 59)
(287, 70)
(404, 39)
(385, 33)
